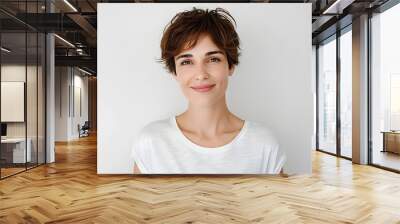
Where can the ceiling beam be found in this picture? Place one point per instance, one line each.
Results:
(83, 23)
(85, 61)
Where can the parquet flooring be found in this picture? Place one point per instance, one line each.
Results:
(10, 171)
(70, 191)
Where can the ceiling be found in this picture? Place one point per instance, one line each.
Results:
(76, 22)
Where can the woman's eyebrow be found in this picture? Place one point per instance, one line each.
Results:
(184, 56)
(214, 52)
(190, 55)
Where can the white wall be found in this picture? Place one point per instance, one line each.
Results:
(272, 84)
(80, 83)
(68, 80)
(61, 103)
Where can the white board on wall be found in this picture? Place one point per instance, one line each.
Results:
(272, 84)
(12, 101)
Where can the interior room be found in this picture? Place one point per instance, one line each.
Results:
(55, 137)
(22, 102)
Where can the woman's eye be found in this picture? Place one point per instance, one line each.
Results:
(185, 62)
(215, 59)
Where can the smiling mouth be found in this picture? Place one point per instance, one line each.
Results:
(204, 88)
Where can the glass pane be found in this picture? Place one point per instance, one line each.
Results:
(41, 98)
(13, 88)
(346, 93)
(31, 101)
(327, 96)
(386, 89)
(314, 74)
(22, 88)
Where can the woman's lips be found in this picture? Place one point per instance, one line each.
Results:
(203, 88)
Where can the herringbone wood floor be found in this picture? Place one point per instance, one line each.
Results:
(70, 191)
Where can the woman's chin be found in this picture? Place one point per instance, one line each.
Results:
(203, 102)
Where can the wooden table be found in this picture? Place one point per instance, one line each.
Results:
(391, 141)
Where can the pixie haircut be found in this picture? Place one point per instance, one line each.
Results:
(186, 27)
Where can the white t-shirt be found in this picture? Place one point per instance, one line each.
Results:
(161, 148)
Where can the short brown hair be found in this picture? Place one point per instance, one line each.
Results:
(185, 28)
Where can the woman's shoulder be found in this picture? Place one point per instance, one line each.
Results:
(154, 128)
(275, 156)
(261, 132)
(156, 125)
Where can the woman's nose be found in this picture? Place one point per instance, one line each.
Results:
(201, 72)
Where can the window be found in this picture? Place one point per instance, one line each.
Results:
(385, 88)
(327, 96)
(346, 93)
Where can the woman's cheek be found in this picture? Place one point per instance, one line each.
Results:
(184, 69)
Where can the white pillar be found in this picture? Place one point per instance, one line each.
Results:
(360, 90)
(50, 92)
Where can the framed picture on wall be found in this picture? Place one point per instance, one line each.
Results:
(12, 101)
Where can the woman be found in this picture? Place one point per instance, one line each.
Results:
(200, 49)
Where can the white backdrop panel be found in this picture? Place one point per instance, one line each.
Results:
(272, 84)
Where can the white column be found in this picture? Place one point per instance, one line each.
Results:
(50, 110)
(50, 92)
(360, 90)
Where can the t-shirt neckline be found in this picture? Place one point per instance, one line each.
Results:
(203, 149)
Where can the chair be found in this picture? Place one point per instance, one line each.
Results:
(84, 130)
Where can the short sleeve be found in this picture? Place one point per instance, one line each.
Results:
(275, 159)
(139, 153)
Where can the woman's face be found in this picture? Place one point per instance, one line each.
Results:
(202, 72)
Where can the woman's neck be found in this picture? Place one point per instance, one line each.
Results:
(208, 121)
